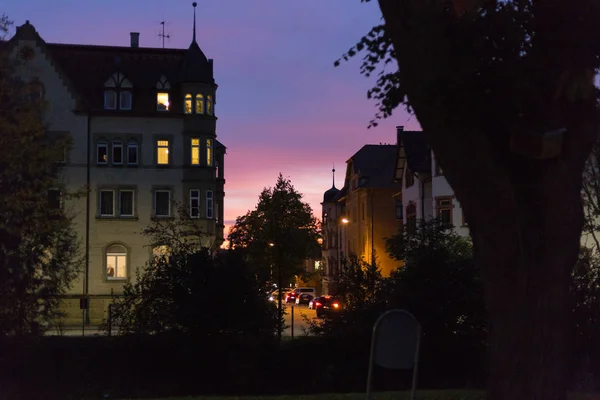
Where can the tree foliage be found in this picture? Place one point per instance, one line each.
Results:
(39, 254)
(187, 290)
(281, 231)
(591, 198)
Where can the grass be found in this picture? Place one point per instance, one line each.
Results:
(421, 395)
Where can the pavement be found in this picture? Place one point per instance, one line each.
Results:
(300, 322)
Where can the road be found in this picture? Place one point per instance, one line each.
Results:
(300, 322)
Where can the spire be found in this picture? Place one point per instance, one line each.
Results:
(194, 4)
(333, 171)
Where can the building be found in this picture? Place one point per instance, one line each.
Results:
(358, 218)
(143, 127)
(425, 191)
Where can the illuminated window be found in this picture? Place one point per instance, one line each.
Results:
(107, 203)
(162, 97)
(195, 203)
(132, 153)
(162, 101)
(209, 105)
(209, 152)
(209, 204)
(162, 152)
(116, 262)
(102, 153)
(126, 203)
(195, 151)
(199, 104)
(117, 87)
(117, 152)
(161, 252)
(188, 104)
(162, 203)
(444, 210)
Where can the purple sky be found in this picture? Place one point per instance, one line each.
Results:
(282, 106)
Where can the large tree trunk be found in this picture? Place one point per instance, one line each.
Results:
(525, 214)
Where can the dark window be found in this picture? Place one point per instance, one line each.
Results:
(54, 201)
(117, 150)
(444, 210)
(102, 153)
(162, 203)
(194, 203)
(399, 210)
(107, 203)
(132, 153)
(126, 203)
(411, 217)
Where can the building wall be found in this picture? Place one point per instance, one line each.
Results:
(441, 188)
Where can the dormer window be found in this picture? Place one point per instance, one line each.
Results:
(209, 105)
(118, 93)
(199, 104)
(162, 94)
(188, 104)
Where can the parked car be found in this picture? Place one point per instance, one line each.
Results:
(304, 298)
(273, 296)
(327, 306)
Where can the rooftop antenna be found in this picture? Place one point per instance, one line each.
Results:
(333, 171)
(162, 34)
(194, 4)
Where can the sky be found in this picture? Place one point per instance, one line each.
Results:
(282, 107)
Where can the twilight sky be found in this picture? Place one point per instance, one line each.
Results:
(282, 106)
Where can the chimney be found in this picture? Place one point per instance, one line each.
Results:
(399, 128)
(135, 39)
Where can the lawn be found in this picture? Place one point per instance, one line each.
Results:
(421, 395)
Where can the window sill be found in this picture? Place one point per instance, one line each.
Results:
(114, 218)
(163, 165)
(160, 218)
(115, 280)
(102, 165)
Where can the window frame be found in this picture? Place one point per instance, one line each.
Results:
(113, 92)
(121, 214)
(197, 148)
(59, 199)
(155, 208)
(191, 199)
(411, 216)
(209, 105)
(130, 145)
(188, 104)
(210, 152)
(98, 146)
(199, 100)
(117, 144)
(107, 254)
(210, 201)
(130, 94)
(166, 106)
(158, 147)
(100, 191)
(449, 207)
(399, 207)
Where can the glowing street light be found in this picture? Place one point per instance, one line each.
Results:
(345, 220)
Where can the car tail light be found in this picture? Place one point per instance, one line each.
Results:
(336, 305)
(317, 304)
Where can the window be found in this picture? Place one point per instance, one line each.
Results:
(209, 152)
(209, 204)
(54, 199)
(444, 210)
(102, 153)
(162, 203)
(107, 203)
(411, 217)
(125, 100)
(117, 87)
(410, 178)
(162, 152)
(161, 252)
(162, 101)
(195, 151)
(217, 169)
(116, 262)
(132, 153)
(399, 209)
(162, 96)
(195, 203)
(110, 100)
(126, 203)
(209, 105)
(199, 104)
(188, 104)
(117, 152)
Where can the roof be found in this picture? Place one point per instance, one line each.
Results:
(418, 152)
(330, 195)
(375, 164)
(88, 67)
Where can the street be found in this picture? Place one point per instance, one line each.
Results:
(300, 323)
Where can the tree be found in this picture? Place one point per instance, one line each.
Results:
(591, 197)
(504, 93)
(188, 291)
(278, 235)
(39, 253)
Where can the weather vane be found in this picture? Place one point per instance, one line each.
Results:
(162, 34)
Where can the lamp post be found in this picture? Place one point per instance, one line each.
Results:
(342, 237)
